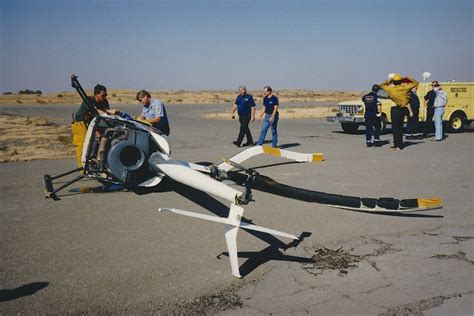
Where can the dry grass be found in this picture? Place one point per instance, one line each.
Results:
(32, 138)
(181, 96)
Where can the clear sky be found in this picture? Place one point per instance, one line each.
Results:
(212, 44)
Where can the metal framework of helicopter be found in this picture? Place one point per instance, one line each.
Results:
(120, 150)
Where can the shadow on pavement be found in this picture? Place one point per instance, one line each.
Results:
(274, 252)
(24, 290)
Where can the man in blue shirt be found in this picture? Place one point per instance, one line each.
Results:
(270, 111)
(153, 112)
(245, 106)
(372, 116)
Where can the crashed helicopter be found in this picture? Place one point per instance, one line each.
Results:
(120, 150)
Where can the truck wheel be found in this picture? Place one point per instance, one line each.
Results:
(456, 122)
(349, 127)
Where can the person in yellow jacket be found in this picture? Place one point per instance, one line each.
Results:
(398, 89)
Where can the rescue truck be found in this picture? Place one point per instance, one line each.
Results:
(458, 115)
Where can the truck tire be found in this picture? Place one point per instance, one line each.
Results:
(350, 127)
(456, 122)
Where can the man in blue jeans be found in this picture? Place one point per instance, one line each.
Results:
(270, 111)
(439, 105)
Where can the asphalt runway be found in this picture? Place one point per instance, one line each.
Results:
(115, 253)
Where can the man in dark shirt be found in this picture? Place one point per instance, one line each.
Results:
(372, 117)
(270, 110)
(84, 116)
(245, 106)
(412, 125)
(428, 103)
(99, 101)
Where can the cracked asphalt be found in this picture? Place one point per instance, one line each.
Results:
(114, 253)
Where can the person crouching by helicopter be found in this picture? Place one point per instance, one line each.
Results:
(99, 101)
(154, 112)
(84, 116)
(373, 110)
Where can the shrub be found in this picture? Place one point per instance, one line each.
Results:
(66, 139)
(26, 91)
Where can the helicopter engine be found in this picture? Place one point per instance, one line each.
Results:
(117, 150)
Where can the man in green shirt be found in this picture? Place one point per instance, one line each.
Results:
(99, 101)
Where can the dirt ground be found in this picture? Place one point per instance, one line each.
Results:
(32, 138)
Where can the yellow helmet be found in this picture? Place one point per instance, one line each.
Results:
(397, 77)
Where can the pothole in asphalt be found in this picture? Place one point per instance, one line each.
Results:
(325, 259)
